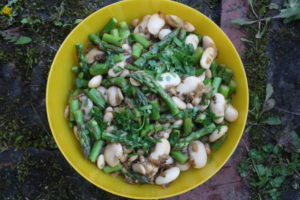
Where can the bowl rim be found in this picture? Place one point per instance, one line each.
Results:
(128, 195)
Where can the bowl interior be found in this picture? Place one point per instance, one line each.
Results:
(61, 80)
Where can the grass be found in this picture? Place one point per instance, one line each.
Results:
(269, 168)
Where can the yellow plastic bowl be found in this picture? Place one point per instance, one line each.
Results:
(61, 80)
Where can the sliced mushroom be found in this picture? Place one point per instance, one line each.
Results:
(168, 80)
(218, 133)
(95, 81)
(113, 72)
(183, 167)
(208, 42)
(217, 106)
(113, 153)
(208, 57)
(180, 104)
(231, 114)
(94, 55)
(193, 40)
(163, 33)
(100, 161)
(189, 85)
(167, 176)
(155, 24)
(115, 96)
(197, 154)
(151, 169)
(161, 151)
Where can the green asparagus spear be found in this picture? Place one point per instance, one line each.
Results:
(217, 144)
(232, 87)
(96, 149)
(137, 50)
(98, 68)
(214, 68)
(94, 95)
(74, 105)
(179, 156)
(197, 55)
(187, 125)
(115, 32)
(216, 84)
(95, 39)
(224, 89)
(227, 75)
(84, 140)
(141, 39)
(155, 110)
(119, 81)
(182, 34)
(184, 142)
(149, 81)
(94, 129)
(108, 169)
(112, 39)
(109, 26)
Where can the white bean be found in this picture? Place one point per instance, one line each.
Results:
(174, 21)
(163, 33)
(102, 91)
(112, 72)
(108, 117)
(167, 176)
(189, 85)
(193, 40)
(188, 27)
(231, 114)
(75, 131)
(218, 133)
(115, 96)
(100, 161)
(113, 153)
(207, 148)
(125, 73)
(95, 81)
(183, 167)
(155, 24)
(161, 150)
(180, 104)
(67, 111)
(139, 168)
(178, 122)
(208, 57)
(168, 80)
(197, 154)
(208, 42)
(217, 106)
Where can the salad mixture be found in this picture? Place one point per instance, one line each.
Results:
(150, 100)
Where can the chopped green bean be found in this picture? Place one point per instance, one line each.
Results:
(179, 156)
(108, 169)
(112, 39)
(110, 25)
(141, 39)
(155, 110)
(96, 149)
(94, 95)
